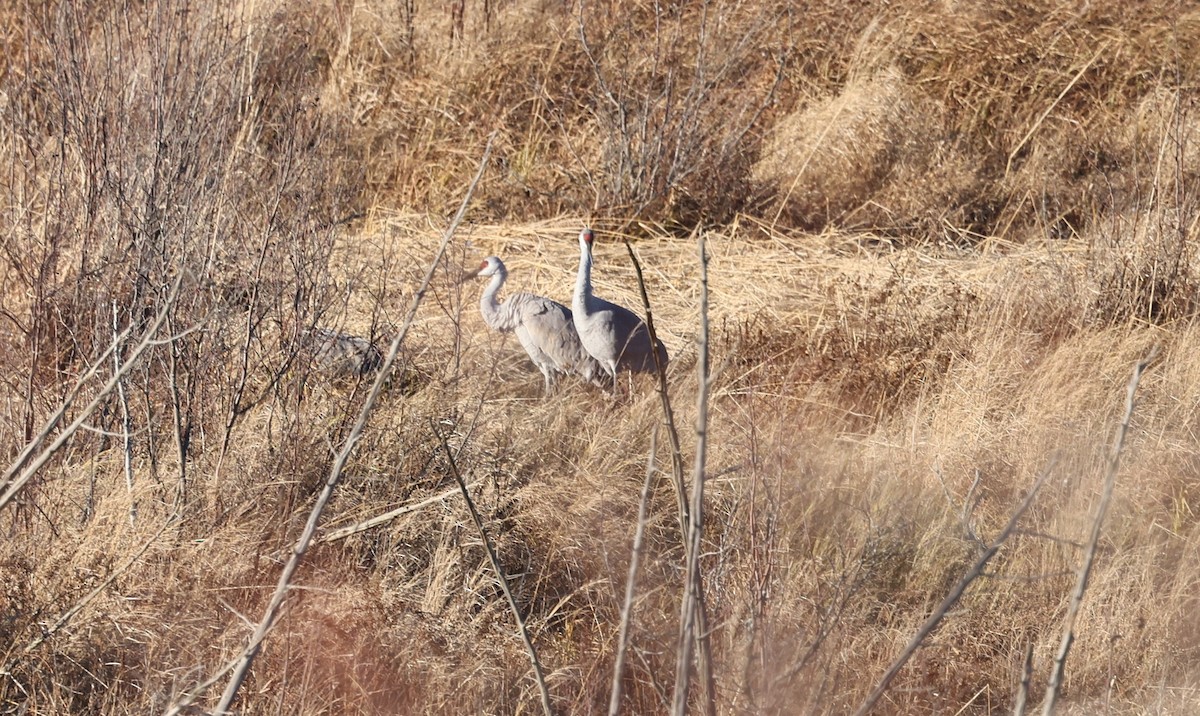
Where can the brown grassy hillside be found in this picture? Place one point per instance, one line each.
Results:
(940, 236)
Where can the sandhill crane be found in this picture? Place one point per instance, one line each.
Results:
(543, 326)
(615, 336)
(340, 354)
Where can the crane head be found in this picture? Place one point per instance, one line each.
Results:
(490, 266)
(586, 237)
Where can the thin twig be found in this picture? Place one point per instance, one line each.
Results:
(681, 494)
(538, 674)
(1089, 556)
(180, 431)
(188, 696)
(281, 589)
(635, 557)
(1038, 123)
(344, 532)
(952, 598)
(236, 409)
(31, 447)
(126, 420)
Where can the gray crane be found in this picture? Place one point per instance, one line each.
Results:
(613, 335)
(543, 326)
(341, 355)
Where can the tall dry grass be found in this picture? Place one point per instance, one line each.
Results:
(941, 235)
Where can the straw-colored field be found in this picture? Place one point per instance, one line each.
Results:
(940, 237)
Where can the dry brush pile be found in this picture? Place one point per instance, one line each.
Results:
(940, 237)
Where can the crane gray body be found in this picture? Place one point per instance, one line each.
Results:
(543, 326)
(615, 336)
(341, 355)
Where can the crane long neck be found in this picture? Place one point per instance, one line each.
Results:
(488, 305)
(583, 280)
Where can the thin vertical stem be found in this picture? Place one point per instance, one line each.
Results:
(126, 420)
(691, 625)
(681, 497)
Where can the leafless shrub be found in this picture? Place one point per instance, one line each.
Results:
(676, 119)
(1143, 260)
(136, 140)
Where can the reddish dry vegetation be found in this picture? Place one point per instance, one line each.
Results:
(941, 236)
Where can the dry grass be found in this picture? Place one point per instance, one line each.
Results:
(940, 237)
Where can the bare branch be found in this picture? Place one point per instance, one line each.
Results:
(1085, 569)
(126, 419)
(661, 371)
(1026, 676)
(27, 452)
(384, 518)
(952, 598)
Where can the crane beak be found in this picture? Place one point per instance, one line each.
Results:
(468, 275)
